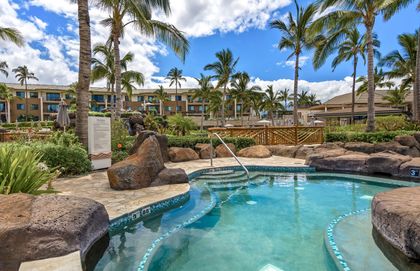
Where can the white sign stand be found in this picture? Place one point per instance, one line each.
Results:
(99, 131)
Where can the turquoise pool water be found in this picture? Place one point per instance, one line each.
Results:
(277, 222)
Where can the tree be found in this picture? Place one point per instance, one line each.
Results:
(381, 81)
(271, 102)
(345, 12)
(162, 96)
(257, 103)
(204, 93)
(396, 97)
(139, 14)
(296, 37)
(215, 101)
(285, 97)
(241, 91)
(351, 45)
(313, 100)
(12, 35)
(403, 64)
(175, 76)
(7, 95)
(224, 69)
(85, 57)
(23, 74)
(3, 68)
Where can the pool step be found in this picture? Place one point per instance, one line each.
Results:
(229, 186)
(231, 175)
(241, 179)
(218, 172)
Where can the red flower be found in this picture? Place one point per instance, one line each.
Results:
(119, 146)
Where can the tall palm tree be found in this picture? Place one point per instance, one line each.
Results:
(313, 100)
(162, 96)
(351, 45)
(303, 97)
(381, 81)
(85, 60)
(11, 34)
(129, 80)
(123, 13)
(296, 37)
(204, 93)
(403, 64)
(23, 74)
(284, 96)
(241, 91)
(396, 97)
(224, 69)
(6, 94)
(215, 101)
(345, 12)
(3, 68)
(272, 102)
(175, 76)
(257, 102)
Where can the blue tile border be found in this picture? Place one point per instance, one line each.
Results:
(331, 245)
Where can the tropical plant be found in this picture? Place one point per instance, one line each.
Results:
(215, 102)
(257, 103)
(203, 93)
(351, 45)
(396, 97)
(7, 95)
(123, 13)
(312, 100)
(23, 74)
(224, 69)
(285, 97)
(162, 97)
(381, 81)
(3, 68)
(21, 171)
(175, 76)
(403, 64)
(180, 125)
(296, 36)
(271, 102)
(354, 12)
(241, 91)
(11, 34)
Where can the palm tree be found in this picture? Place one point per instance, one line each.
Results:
(403, 64)
(215, 101)
(284, 96)
(296, 36)
(351, 45)
(6, 94)
(224, 69)
(257, 103)
(241, 91)
(204, 93)
(313, 100)
(381, 81)
(11, 34)
(175, 76)
(345, 12)
(162, 96)
(271, 102)
(396, 97)
(129, 81)
(139, 14)
(3, 68)
(23, 74)
(303, 97)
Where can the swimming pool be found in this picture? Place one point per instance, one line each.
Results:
(275, 221)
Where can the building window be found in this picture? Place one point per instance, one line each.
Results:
(112, 97)
(140, 98)
(150, 99)
(20, 106)
(178, 108)
(238, 107)
(34, 107)
(20, 94)
(200, 108)
(190, 98)
(168, 108)
(52, 108)
(200, 100)
(178, 98)
(69, 97)
(191, 108)
(97, 108)
(127, 99)
(98, 98)
(53, 97)
(33, 94)
(2, 107)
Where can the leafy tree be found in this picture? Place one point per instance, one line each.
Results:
(22, 74)
(381, 81)
(181, 126)
(285, 97)
(175, 76)
(271, 102)
(162, 97)
(7, 95)
(215, 102)
(396, 97)
(204, 93)
(224, 69)
(3, 68)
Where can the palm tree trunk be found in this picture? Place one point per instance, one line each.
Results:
(85, 54)
(116, 41)
(223, 106)
(113, 101)
(371, 82)
(176, 96)
(26, 100)
(202, 116)
(353, 90)
(272, 117)
(242, 113)
(161, 108)
(416, 87)
(295, 92)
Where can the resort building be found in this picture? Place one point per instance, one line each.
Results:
(40, 102)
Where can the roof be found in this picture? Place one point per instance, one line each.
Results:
(359, 111)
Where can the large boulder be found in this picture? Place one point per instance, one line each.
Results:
(360, 147)
(396, 216)
(182, 154)
(304, 151)
(407, 167)
(170, 176)
(283, 150)
(40, 227)
(409, 141)
(346, 162)
(162, 140)
(392, 146)
(386, 162)
(204, 150)
(258, 151)
(138, 170)
(222, 151)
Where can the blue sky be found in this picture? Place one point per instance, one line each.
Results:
(50, 29)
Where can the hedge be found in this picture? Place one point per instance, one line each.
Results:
(28, 124)
(373, 137)
(191, 141)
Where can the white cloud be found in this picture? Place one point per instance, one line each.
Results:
(303, 60)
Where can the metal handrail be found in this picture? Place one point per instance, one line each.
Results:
(231, 152)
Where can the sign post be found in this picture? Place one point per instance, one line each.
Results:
(99, 131)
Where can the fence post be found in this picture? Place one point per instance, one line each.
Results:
(266, 135)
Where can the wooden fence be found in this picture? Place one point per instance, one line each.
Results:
(276, 135)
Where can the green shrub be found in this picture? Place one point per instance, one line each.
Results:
(64, 139)
(28, 124)
(21, 170)
(100, 114)
(180, 125)
(191, 141)
(374, 137)
(392, 123)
